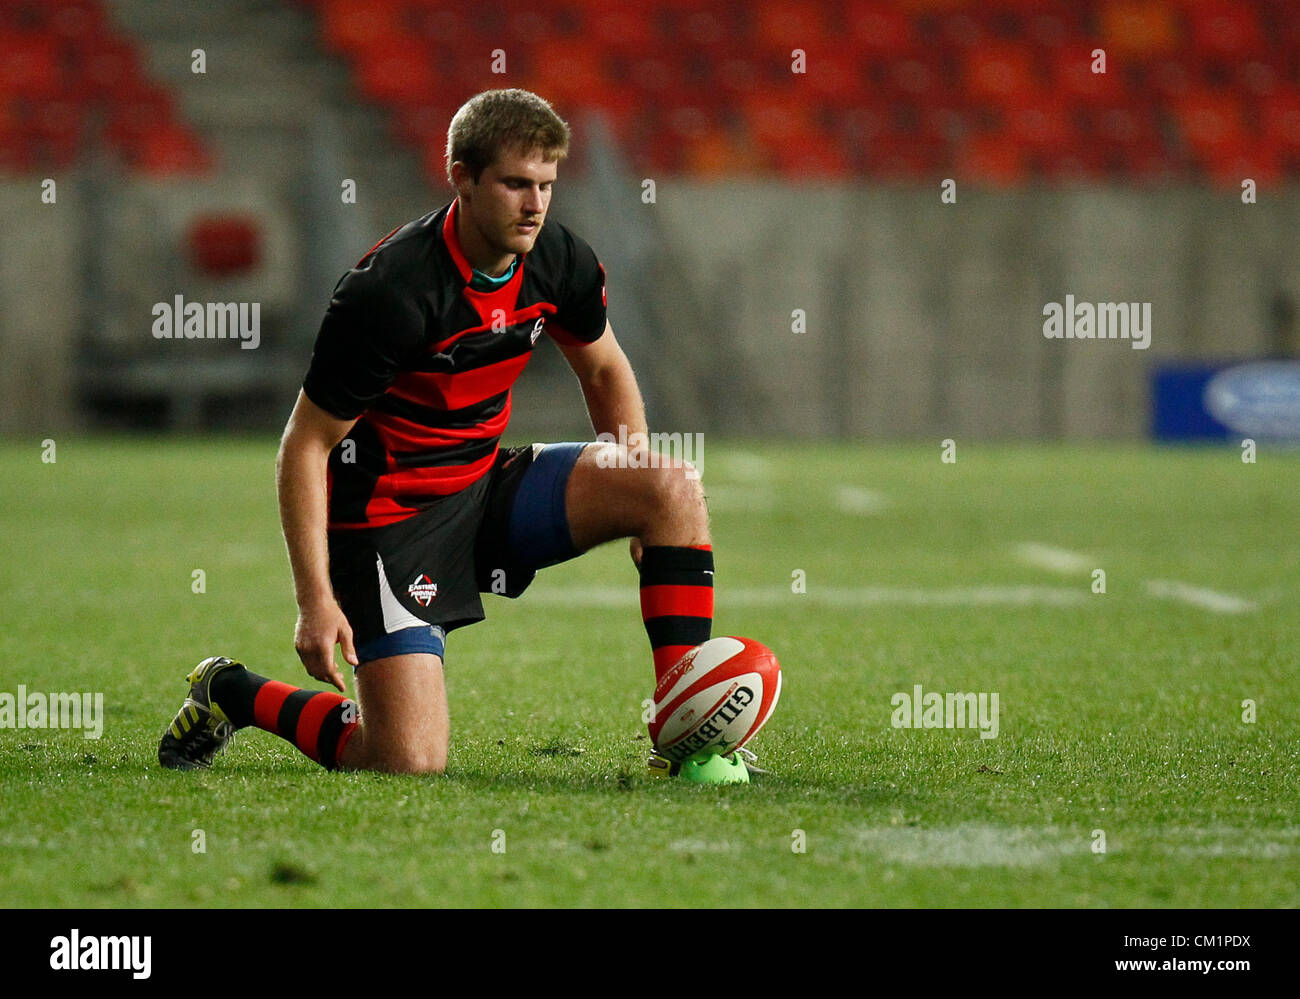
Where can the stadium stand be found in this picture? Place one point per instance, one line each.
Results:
(999, 92)
(69, 82)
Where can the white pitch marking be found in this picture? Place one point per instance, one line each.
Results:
(862, 596)
(1199, 596)
(744, 466)
(856, 499)
(1054, 559)
(971, 844)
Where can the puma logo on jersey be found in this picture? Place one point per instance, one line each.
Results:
(537, 329)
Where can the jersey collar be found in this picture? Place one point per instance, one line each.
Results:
(453, 245)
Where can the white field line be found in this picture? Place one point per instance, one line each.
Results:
(859, 500)
(860, 596)
(1054, 559)
(971, 844)
(1199, 596)
(744, 466)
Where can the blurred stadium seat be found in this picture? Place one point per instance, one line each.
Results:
(69, 82)
(1192, 89)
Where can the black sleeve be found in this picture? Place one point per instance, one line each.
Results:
(367, 338)
(581, 311)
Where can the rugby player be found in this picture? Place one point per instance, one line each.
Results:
(398, 504)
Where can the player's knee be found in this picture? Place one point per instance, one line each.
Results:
(677, 492)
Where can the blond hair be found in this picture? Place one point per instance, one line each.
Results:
(497, 121)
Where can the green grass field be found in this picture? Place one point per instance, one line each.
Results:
(1120, 712)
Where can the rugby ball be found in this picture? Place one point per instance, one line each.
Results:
(718, 694)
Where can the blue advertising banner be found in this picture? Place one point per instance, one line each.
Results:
(1256, 399)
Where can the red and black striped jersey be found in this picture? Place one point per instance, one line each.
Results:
(427, 362)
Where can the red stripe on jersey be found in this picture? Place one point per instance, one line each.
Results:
(439, 480)
(399, 434)
(665, 599)
(385, 505)
(511, 319)
(266, 706)
(379, 512)
(456, 390)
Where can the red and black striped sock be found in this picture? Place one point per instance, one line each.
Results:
(318, 722)
(676, 600)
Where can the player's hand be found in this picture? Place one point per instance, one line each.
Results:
(320, 627)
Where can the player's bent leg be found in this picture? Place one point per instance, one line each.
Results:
(404, 719)
(606, 499)
(226, 696)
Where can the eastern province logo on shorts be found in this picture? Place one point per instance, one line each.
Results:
(423, 590)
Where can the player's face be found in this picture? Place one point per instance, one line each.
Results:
(506, 209)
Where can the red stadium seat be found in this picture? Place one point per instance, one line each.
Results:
(110, 70)
(879, 28)
(621, 30)
(1211, 123)
(17, 155)
(468, 70)
(29, 65)
(1170, 79)
(133, 119)
(990, 160)
(717, 154)
(738, 77)
(702, 27)
(416, 124)
(834, 77)
(1073, 78)
(961, 31)
(172, 149)
(812, 162)
(1225, 30)
(57, 126)
(1138, 28)
(1043, 126)
(1281, 120)
(223, 246)
(567, 71)
(1000, 73)
(780, 26)
(658, 80)
(78, 23)
(1226, 169)
(400, 72)
(350, 26)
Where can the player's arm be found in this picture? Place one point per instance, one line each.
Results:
(300, 476)
(609, 386)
